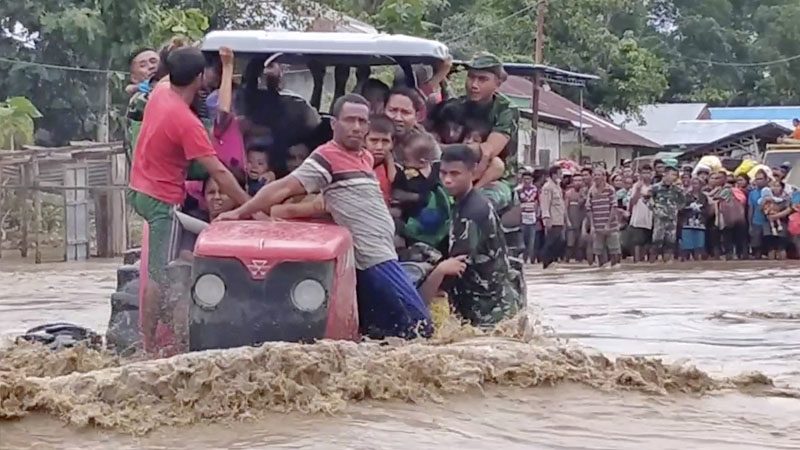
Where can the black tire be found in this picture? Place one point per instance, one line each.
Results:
(60, 335)
(122, 335)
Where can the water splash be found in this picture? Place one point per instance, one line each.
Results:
(84, 387)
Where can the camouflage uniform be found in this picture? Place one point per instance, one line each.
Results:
(504, 119)
(490, 290)
(135, 115)
(666, 202)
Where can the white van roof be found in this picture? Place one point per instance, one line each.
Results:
(332, 48)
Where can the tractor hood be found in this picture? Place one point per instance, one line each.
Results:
(274, 241)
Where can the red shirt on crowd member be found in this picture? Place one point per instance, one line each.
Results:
(163, 152)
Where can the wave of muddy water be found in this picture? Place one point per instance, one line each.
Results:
(582, 371)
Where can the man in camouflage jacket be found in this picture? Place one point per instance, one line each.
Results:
(481, 284)
(666, 200)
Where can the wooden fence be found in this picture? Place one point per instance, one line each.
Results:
(80, 173)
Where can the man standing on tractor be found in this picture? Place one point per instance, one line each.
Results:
(484, 104)
(343, 170)
(171, 138)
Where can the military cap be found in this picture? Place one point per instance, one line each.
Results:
(485, 61)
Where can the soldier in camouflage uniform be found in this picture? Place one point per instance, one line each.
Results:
(135, 114)
(481, 284)
(666, 200)
(484, 104)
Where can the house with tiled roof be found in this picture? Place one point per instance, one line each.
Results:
(565, 130)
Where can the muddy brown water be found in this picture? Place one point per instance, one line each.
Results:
(581, 372)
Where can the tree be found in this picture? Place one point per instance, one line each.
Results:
(713, 49)
(99, 36)
(602, 37)
(95, 35)
(16, 122)
(644, 51)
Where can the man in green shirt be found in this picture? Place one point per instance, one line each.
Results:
(483, 103)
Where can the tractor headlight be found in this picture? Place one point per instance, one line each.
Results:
(308, 295)
(209, 290)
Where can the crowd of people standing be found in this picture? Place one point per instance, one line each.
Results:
(659, 212)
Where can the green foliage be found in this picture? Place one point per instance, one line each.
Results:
(16, 122)
(732, 31)
(644, 51)
(166, 23)
(97, 35)
(405, 16)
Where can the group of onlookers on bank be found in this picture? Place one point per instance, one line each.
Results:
(658, 212)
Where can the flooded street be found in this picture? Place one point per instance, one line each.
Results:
(467, 392)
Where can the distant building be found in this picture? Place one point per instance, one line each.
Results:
(781, 115)
(657, 122)
(696, 130)
(560, 124)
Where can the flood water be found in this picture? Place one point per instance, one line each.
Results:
(725, 318)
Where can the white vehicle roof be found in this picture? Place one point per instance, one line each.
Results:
(329, 48)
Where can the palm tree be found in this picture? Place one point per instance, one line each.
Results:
(16, 122)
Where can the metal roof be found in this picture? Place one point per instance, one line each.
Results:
(555, 108)
(700, 132)
(550, 74)
(658, 118)
(333, 48)
(774, 113)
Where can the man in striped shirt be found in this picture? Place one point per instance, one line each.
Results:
(602, 212)
(388, 304)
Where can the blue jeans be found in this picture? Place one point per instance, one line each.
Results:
(529, 242)
(389, 305)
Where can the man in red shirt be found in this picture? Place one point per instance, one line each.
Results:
(171, 138)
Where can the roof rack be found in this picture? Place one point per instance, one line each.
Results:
(547, 73)
(333, 48)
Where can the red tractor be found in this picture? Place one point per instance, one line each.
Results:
(255, 281)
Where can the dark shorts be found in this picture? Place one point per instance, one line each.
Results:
(776, 243)
(159, 218)
(665, 234)
(640, 237)
(606, 242)
(389, 305)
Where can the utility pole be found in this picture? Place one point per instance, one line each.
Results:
(538, 48)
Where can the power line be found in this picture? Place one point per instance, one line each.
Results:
(490, 24)
(751, 64)
(82, 69)
(59, 67)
